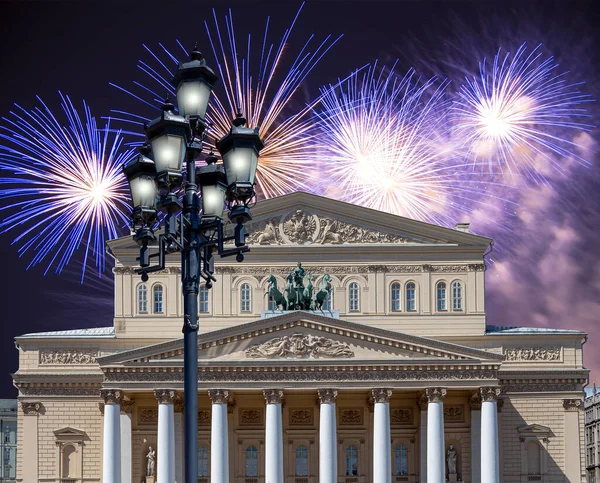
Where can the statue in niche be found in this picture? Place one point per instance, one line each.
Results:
(451, 459)
(151, 457)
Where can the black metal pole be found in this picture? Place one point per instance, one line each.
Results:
(190, 260)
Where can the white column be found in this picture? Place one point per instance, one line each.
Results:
(436, 467)
(423, 402)
(475, 403)
(219, 441)
(165, 448)
(490, 462)
(178, 440)
(111, 444)
(273, 437)
(126, 443)
(382, 440)
(327, 436)
(29, 465)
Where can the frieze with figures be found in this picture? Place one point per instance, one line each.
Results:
(300, 346)
(401, 416)
(68, 356)
(531, 354)
(351, 416)
(301, 417)
(454, 414)
(251, 417)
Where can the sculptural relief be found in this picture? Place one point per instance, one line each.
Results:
(301, 417)
(300, 346)
(530, 354)
(401, 416)
(251, 417)
(68, 356)
(351, 416)
(455, 414)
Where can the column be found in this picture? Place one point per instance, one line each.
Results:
(29, 464)
(178, 439)
(273, 437)
(126, 443)
(219, 441)
(490, 462)
(475, 404)
(573, 415)
(327, 436)
(165, 448)
(422, 403)
(436, 467)
(111, 444)
(382, 439)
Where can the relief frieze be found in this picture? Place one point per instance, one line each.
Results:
(301, 417)
(299, 345)
(204, 416)
(454, 414)
(251, 417)
(148, 416)
(68, 356)
(532, 354)
(401, 416)
(351, 416)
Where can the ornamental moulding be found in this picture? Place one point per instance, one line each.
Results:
(31, 408)
(58, 391)
(299, 345)
(68, 356)
(532, 354)
(572, 404)
(541, 387)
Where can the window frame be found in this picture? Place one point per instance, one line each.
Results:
(461, 298)
(249, 299)
(353, 307)
(349, 459)
(162, 298)
(438, 299)
(257, 468)
(203, 290)
(296, 460)
(138, 298)
(399, 297)
(414, 297)
(207, 452)
(396, 447)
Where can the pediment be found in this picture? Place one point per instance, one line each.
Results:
(534, 429)
(69, 432)
(304, 338)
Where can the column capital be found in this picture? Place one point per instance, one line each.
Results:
(475, 401)
(178, 404)
(435, 394)
(327, 396)
(165, 396)
(422, 401)
(111, 396)
(572, 404)
(218, 396)
(273, 396)
(380, 395)
(31, 408)
(127, 405)
(489, 394)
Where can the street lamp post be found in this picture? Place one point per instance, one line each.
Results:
(193, 227)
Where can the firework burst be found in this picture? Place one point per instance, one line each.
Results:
(256, 85)
(516, 117)
(63, 185)
(385, 146)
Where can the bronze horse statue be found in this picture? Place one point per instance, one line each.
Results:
(323, 292)
(274, 293)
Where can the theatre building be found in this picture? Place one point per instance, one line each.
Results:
(396, 376)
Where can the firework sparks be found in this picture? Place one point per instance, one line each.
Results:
(386, 148)
(515, 117)
(255, 85)
(65, 189)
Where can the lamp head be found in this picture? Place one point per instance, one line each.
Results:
(140, 172)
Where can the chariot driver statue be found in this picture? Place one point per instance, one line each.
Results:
(298, 274)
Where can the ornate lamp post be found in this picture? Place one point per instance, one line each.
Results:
(195, 227)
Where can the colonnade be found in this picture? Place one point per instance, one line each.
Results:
(434, 467)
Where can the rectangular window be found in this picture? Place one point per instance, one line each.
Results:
(203, 300)
(245, 298)
(411, 299)
(353, 297)
(441, 297)
(395, 297)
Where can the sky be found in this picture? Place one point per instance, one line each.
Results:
(545, 267)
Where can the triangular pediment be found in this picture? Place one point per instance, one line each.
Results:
(306, 220)
(304, 338)
(535, 429)
(69, 432)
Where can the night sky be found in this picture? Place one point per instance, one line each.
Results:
(547, 267)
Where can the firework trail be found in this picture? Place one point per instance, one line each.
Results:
(514, 118)
(63, 185)
(253, 84)
(386, 146)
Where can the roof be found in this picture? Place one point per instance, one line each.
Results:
(501, 330)
(95, 332)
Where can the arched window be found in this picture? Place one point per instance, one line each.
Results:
(252, 462)
(401, 460)
(203, 299)
(202, 461)
(68, 462)
(533, 458)
(142, 298)
(353, 295)
(396, 289)
(351, 461)
(411, 297)
(245, 298)
(157, 297)
(301, 461)
(327, 302)
(457, 293)
(441, 296)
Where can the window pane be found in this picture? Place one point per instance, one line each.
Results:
(327, 302)
(203, 461)
(245, 298)
(456, 295)
(395, 297)
(142, 298)
(353, 297)
(252, 461)
(203, 299)
(351, 461)
(301, 461)
(441, 296)
(411, 297)
(158, 299)
(401, 460)
(272, 304)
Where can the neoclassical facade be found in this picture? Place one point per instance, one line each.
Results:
(398, 377)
